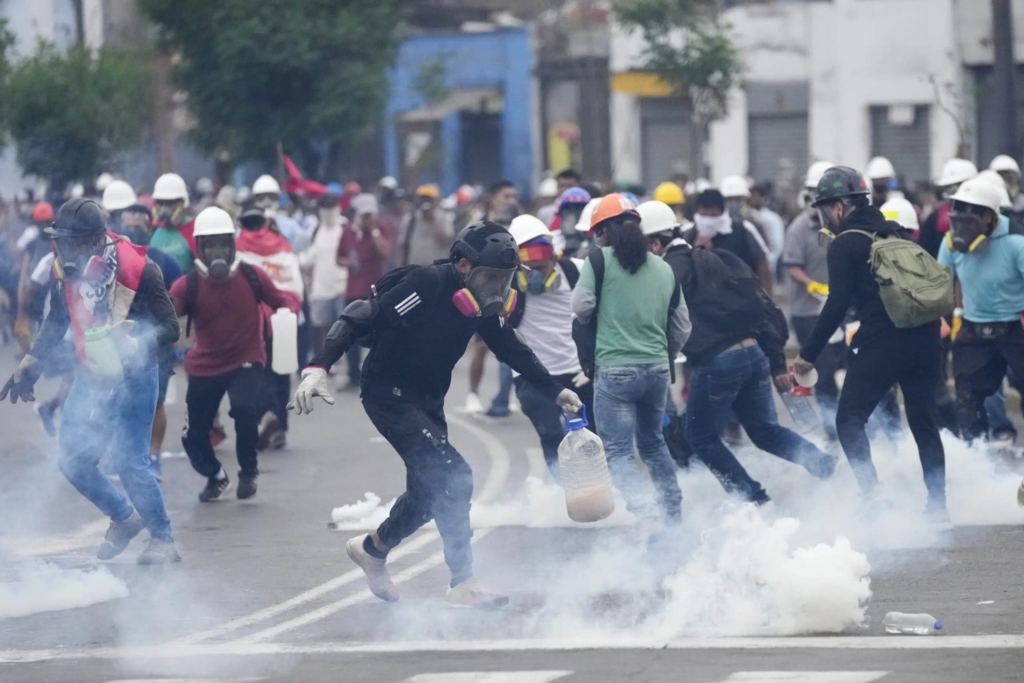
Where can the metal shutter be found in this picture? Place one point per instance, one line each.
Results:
(908, 147)
(665, 138)
(777, 146)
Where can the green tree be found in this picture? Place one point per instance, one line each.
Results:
(70, 114)
(309, 74)
(688, 48)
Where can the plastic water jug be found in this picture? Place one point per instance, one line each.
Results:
(585, 477)
(899, 623)
(803, 408)
(285, 326)
(102, 353)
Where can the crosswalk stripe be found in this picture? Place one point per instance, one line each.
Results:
(490, 677)
(806, 676)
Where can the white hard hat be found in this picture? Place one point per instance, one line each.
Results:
(548, 188)
(815, 172)
(170, 186)
(997, 182)
(1004, 162)
(583, 224)
(204, 186)
(102, 180)
(118, 195)
(77, 190)
(879, 168)
(388, 183)
(365, 204)
(979, 192)
(956, 171)
(733, 186)
(527, 227)
(213, 221)
(902, 211)
(266, 184)
(656, 217)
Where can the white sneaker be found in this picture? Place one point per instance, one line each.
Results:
(470, 594)
(473, 404)
(514, 406)
(376, 570)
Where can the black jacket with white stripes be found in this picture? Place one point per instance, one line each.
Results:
(419, 336)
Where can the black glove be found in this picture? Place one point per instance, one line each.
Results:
(22, 383)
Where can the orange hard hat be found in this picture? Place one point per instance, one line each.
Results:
(42, 211)
(611, 206)
(428, 191)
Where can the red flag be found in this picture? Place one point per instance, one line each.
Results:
(289, 165)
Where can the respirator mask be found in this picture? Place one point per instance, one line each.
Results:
(81, 257)
(488, 292)
(969, 228)
(218, 259)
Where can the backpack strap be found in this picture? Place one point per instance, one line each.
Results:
(572, 273)
(191, 294)
(253, 278)
(597, 263)
(873, 236)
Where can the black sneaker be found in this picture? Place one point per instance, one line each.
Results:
(269, 426)
(246, 485)
(119, 535)
(158, 551)
(215, 488)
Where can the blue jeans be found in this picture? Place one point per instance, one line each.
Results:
(501, 399)
(998, 421)
(741, 380)
(630, 400)
(95, 417)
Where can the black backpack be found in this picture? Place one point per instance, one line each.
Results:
(192, 292)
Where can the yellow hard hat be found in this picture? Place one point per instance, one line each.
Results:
(428, 191)
(669, 193)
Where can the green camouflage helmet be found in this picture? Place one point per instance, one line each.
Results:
(839, 182)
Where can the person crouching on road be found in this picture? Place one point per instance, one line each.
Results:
(116, 304)
(222, 297)
(988, 262)
(642, 323)
(418, 323)
(545, 324)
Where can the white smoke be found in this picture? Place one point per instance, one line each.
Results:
(44, 587)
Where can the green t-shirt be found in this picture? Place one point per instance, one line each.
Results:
(633, 314)
(174, 244)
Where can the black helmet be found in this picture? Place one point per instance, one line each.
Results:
(78, 217)
(839, 182)
(488, 245)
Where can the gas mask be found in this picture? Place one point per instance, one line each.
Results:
(969, 228)
(268, 202)
(534, 281)
(218, 259)
(81, 257)
(488, 292)
(170, 216)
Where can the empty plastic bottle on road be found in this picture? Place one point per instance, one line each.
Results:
(911, 624)
(803, 408)
(585, 477)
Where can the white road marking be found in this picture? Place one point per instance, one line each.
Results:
(497, 477)
(87, 535)
(246, 649)
(490, 677)
(338, 605)
(806, 676)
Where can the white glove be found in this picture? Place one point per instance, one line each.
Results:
(314, 383)
(568, 401)
(580, 380)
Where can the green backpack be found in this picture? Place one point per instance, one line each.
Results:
(915, 289)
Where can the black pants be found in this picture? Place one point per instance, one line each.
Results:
(979, 365)
(275, 392)
(546, 416)
(828, 363)
(438, 481)
(911, 359)
(202, 401)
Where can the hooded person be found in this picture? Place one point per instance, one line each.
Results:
(417, 324)
(115, 303)
(173, 234)
(883, 354)
(257, 244)
(223, 299)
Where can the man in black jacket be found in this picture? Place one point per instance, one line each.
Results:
(114, 300)
(736, 347)
(882, 353)
(419, 322)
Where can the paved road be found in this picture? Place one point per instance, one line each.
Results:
(265, 591)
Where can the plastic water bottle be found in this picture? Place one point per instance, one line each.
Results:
(911, 624)
(285, 326)
(585, 477)
(803, 408)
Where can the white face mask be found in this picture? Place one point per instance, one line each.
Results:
(709, 226)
